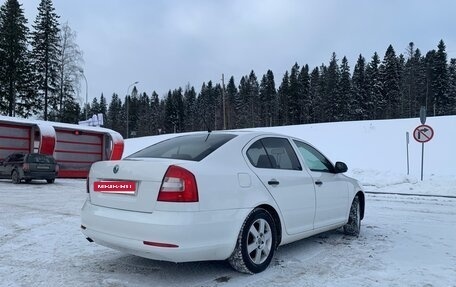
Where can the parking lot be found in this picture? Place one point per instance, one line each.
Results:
(405, 241)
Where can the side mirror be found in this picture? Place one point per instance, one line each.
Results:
(340, 167)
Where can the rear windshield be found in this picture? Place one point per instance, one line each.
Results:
(39, 158)
(188, 147)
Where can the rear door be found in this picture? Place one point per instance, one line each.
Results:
(332, 194)
(275, 163)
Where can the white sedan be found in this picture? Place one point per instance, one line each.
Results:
(219, 195)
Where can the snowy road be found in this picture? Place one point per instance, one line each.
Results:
(405, 241)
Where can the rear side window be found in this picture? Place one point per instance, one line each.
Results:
(189, 147)
(275, 153)
(39, 158)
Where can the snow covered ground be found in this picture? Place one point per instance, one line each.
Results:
(406, 240)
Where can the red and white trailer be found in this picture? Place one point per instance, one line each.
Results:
(74, 147)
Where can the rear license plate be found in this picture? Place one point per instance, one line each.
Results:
(118, 187)
(42, 166)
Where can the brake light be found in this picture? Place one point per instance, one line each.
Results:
(178, 185)
(57, 168)
(25, 167)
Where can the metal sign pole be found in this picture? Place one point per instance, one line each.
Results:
(407, 141)
(422, 160)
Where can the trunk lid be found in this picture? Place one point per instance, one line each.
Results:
(127, 184)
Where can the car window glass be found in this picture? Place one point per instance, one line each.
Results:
(189, 147)
(38, 158)
(313, 158)
(255, 151)
(14, 157)
(274, 153)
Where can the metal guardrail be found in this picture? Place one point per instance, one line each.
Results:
(411, 194)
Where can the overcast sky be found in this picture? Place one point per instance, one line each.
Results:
(167, 44)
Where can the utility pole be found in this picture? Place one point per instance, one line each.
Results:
(223, 101)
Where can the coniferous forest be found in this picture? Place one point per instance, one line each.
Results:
(40, 72)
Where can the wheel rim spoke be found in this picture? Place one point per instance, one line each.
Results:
(257, 259)
(251, 247)
(262, 225)
(267, 237)
(266, 249)
(253, 231)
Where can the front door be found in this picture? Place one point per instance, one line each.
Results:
(332, 194)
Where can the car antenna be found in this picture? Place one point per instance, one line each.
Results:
(208, 128)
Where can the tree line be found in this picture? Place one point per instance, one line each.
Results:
(389, 88)
(40, 72)
(39, 69)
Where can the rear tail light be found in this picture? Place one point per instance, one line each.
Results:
(25, 167)
(178, 185)
(57, 168)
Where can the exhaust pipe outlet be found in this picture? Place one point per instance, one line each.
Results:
(89, 239)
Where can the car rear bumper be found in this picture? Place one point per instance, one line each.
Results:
(199, 236)
(39, 175)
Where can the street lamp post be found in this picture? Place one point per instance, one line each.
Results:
(127, 106)
(87, 93)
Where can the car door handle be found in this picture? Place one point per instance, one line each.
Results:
(318, 182)
(273, 182)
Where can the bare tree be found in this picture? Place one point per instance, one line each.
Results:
(69, 70)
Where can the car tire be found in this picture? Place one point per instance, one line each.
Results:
(353, 225)
(50, 180)
(28, 180)
(15, 177)
(256, 243)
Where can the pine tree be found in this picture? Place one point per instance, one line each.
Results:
(14, 61)
(268, 100)
(389, 71)
(430, 96)
(103, 105)
(113, 118)
(402, 89)
(359, 102)
(94, 107)
(304, 94)
(284, 105)
(451, 91)
(70, 113)
(343, 92)
(323, 114)
(206, 103)
(293, 97)
(315, 104)
(242, 103)
(420, 81)
(231, 95)
(375, 102)
(144, 124)
(440, 70)
(45, 51)
(190, 112)
(331, 96)
(253, 99)
(174, 111)
(410, 82)
(156, 114)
